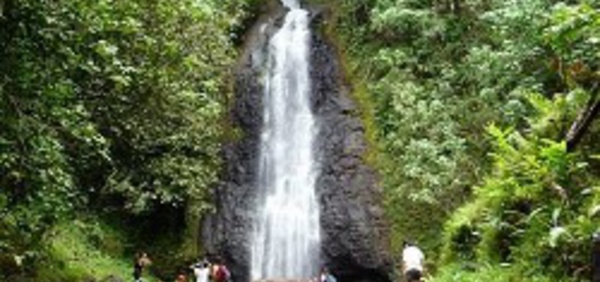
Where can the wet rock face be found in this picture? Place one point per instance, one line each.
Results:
(353, 232)
(226, 233)
(355, 243)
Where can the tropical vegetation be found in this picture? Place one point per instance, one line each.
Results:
(482, 118)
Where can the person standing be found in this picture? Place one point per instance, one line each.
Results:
(201, 271)
(214, 270)
(222, 273)
(412, 262)
(326, 276)
(140, 262)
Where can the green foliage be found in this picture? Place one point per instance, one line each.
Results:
(533, 210)
(463, 273)
(437, 74)
(108, 105)
(574, 39)
(81, 250)
(166, 124)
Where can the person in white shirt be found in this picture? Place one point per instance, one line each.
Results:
(412, 262)
(201, 271)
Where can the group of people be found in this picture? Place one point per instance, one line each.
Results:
(216, 271)
(204, 271)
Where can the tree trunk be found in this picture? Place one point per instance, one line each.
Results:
(583, 122)
(596, 258)
(456, 7)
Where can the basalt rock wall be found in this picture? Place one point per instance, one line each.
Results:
(353, 230)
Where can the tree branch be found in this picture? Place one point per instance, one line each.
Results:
(583, 121)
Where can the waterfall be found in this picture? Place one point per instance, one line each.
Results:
(292, 4)
(285, 240)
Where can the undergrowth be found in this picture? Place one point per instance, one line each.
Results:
(82, 250)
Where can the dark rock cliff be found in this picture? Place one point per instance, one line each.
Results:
(226, 233)
(354, 233)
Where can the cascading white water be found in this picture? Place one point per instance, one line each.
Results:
(292, 4)
(286, 234)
